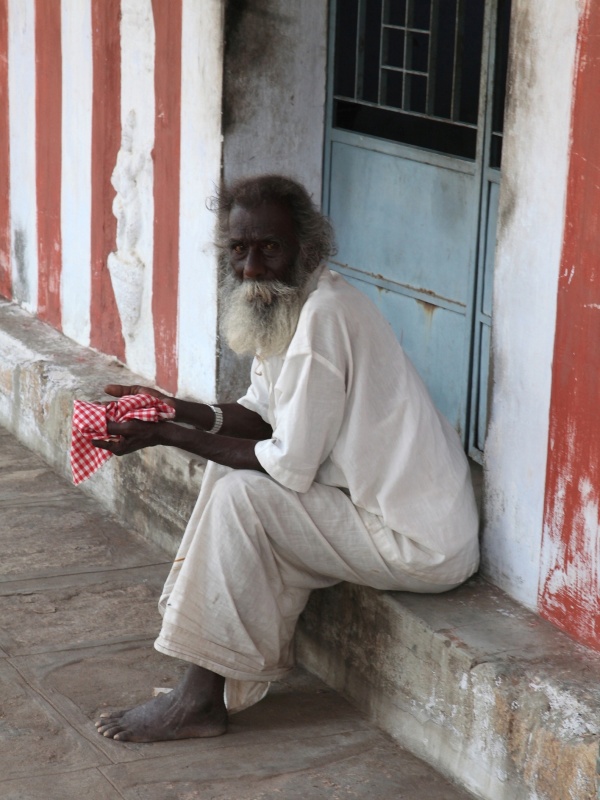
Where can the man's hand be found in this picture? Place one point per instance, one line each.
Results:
(118, 390)
(134, 435)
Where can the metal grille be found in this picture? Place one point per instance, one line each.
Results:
(408, 70)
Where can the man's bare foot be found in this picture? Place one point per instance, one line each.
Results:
(195, 708)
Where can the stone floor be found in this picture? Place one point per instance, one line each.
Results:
(78, 615)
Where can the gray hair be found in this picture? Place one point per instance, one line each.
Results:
(313, 229)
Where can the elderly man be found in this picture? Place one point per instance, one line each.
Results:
(335, 466)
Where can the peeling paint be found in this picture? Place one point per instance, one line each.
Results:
(568, 591)
(527, 268)
(20, 260)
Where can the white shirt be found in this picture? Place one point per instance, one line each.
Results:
(348, 409)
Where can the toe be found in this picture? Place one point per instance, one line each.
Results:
(111, 731)
(108, 718)
(108, 725)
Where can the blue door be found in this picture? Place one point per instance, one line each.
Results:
(412, 157)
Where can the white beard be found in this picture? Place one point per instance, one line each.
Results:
(260, 317)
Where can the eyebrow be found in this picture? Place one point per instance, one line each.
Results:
(268, 237)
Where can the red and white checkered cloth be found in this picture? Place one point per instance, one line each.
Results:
(89, 422)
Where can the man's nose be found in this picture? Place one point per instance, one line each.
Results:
(254, 266)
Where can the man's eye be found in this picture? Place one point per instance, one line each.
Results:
(238, 249)
(271, 247)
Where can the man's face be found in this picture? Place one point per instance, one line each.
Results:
(263, 245)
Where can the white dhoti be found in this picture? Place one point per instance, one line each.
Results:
(250, 556)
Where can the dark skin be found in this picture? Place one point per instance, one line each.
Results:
(263, 246)
(233, 447)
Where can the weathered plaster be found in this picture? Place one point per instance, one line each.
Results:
(5, 265)
(569, 577)
(76, 211)
(468, 680)
(130, 265)
(531, 220)
(201, 94)
(21, 87)
(273, 107)
(274, 95)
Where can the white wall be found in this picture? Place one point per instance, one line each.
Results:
(201, 99)
(130, 265)
(530, 231)
(21, 101)
(76, 210)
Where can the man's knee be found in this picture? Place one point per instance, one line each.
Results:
(242, 486)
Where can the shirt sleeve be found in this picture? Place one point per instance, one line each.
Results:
(309, 409)
(257, 397)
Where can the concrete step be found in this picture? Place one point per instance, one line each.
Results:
(484, 690)
(480, 687)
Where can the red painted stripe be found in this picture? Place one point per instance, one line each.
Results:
(167, 149)
(5, 270)
(105, 324)
(48, 111)
(569, 586)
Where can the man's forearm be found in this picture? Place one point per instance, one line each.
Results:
(238, 421)
(227, 450)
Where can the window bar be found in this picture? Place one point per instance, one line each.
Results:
(360, 50)
(432, 60)
(380, 81)
(408, 15)
(458, 59)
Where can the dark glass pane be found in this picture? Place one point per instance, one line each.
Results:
(471, 39)
(416, 93)
(417, 57)
(420, 16)
(496, 151)
(500, 65)
(395, 12)
(393, 47)
(433, 69)
(345, 48)
(392, 88)
(445, 137)
(443, 58)
(369, 44)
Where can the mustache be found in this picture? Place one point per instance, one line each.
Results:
(266, 292)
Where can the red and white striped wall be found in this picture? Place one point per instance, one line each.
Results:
(110, 143)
